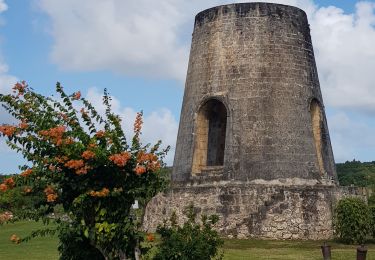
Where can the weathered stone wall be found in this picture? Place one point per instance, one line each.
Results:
(256, 210)
(257, 59)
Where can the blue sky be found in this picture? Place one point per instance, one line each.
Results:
(139, 49)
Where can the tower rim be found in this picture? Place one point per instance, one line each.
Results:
(214, 9)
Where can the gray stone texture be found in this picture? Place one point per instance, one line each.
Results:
(256, 210)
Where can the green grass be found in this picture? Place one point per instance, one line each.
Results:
(235, 249)
(46, 248)
(37, 248)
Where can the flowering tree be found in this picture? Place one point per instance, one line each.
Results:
(82, 161)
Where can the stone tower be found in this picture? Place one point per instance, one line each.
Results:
(252, 107)
(253, 143)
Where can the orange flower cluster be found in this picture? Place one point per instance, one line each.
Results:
(144, 157)
(150, 160)
(8, 130)
(138, 123)
(20, 87)
(55, 134)
(140, 169)
(64, 116)
(3, 187)
(120, 159)
(83, 170)
(100, 134)
(153, 166)
(103, 193)
(92, 146)
(51, 194)
(14, 238)
(27, 173)
(74, 164)
(5, 216)
(27, 190)
(150, 237)
(53, 168)
(7, 184)
(77, 165)
(87, 155)
(66, 141)
(62, 159)
(23, 125)
(77, 95)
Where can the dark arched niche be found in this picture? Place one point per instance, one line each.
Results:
(211, 123)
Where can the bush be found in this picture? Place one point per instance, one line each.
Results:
(15, 201)
(191, 241)
(352, 220)
(81, 162)
(371, 199)
(372, 210)
(75, 246)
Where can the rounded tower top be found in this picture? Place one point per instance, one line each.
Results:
(255, 8)
(292, 15)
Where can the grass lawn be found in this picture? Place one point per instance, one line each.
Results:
(38, 248)
(46, 248)
(288, 250)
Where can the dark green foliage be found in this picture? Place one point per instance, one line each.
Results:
(15, 201)
(74, 246)
(371, 199)
(361, 174)
(191, 241)
(353, 221)
(372, 210)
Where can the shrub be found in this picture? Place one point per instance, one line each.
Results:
(75, 246)
(372, 210)
(80, 160)
(190, 241)
(352, 220)
(371, 199)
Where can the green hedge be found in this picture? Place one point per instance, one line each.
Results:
(353, 220)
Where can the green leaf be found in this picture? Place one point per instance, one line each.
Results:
(86, 233)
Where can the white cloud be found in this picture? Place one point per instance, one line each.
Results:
(6, 81)
(345, 54)
(158, 125)
(3, 6)
(135, 37)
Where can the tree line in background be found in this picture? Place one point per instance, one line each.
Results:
(356, 173)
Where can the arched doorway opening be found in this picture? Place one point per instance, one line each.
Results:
(211, 123)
